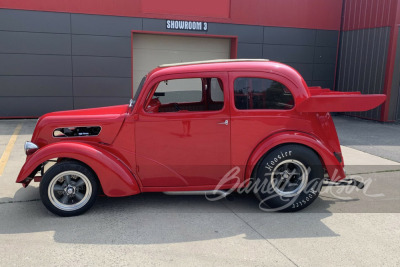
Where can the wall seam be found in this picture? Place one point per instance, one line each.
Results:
(72, 62)
(313, 68)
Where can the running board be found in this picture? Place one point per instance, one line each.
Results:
(205, 192)
(344, 182)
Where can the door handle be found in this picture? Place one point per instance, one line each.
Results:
(226, 122)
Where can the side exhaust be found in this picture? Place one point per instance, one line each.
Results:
(344, 182)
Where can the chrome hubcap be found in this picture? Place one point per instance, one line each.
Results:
(69, 190)
(289, 178)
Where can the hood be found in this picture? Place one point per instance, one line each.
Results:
(106, 119)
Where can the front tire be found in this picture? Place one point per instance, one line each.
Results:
(289, 178)
(69, 188)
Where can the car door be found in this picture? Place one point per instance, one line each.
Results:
(182, 133)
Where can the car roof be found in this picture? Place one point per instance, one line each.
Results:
(211, 61)
(224, 65)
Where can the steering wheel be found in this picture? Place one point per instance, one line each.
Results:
(176, 107)
(153, 105)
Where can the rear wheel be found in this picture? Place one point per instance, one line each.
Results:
(69, 188)
(289, 178)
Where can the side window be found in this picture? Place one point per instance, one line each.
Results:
(257, 93)
(217, 94)
(194, 94)
(179, 91)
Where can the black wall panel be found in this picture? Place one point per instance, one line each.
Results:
(35, 43)
(35, 86)
(291, 36)
(110, 46)
(101, 66)
(29, 64)
(104, 25)
(96, 101)
(102, 86)
(325, 54)
(245, 33)
(289, 53)
(64, 61)
(33, 106)
(248, 50)
(326, 38)
(34, 21)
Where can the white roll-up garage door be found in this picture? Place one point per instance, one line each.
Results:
(152, 50)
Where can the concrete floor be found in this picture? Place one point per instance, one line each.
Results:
(344, 226)
(377, 138)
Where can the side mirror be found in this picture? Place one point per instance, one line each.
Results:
(131, 103)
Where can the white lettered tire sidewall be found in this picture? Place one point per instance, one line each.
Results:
(297, 160)
(69, 167)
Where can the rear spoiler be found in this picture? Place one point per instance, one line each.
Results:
(325, 100)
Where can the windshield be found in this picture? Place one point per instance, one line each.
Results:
(139, 89)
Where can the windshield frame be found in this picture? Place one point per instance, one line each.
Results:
(138, 91)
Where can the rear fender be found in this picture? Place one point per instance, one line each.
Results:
(115, 177)
(332, 165)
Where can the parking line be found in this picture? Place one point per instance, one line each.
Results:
(6, 154)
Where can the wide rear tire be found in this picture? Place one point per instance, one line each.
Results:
(289, 178)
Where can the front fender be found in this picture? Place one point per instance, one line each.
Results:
(333, 167)
(115, 177)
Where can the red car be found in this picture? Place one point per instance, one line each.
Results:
(211, 127)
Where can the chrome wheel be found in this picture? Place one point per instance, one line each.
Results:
(289, 178)
(69, 190)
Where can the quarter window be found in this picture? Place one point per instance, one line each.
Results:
(257, 93)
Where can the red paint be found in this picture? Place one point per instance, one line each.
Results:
(390, 62)
(311, 14)
(389, 72)
(361, 14)
(391, 56)
(115, 178)
(220, 8)
(332, 101)
(137, 151)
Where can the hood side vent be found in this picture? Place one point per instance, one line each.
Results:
(78, 131)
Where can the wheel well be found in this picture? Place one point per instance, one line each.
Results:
(82, 163)
(255, 169)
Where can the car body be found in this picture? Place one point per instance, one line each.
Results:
(148, 146)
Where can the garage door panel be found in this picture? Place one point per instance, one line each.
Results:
(150, 41)
(156, 58)
(152, 50)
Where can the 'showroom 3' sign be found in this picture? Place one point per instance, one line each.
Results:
(187, 25)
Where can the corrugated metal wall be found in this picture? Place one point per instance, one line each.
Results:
(363, 52)
(362, 63)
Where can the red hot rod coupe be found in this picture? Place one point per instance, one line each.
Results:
(211, 127)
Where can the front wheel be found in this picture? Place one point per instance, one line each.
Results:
(69, 188)
(289, 178)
